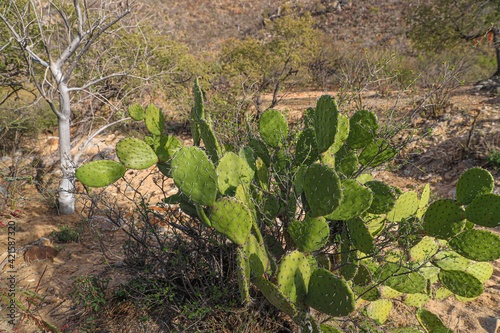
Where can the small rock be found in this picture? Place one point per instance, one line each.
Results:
(40, 252)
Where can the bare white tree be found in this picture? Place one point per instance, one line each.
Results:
(55, 38)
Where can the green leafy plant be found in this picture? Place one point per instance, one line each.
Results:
(66, 234)
(312, 229)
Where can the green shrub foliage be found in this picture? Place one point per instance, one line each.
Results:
(311, 227)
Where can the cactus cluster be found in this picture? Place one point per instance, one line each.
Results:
(346, 241)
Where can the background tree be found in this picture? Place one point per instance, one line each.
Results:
(436, 25)
(86, 59)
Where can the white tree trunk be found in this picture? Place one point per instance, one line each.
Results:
(66, 198)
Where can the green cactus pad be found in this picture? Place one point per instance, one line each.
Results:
(450, 260)
(485, 210)
(428, 320)
(195, 175)
(401, 278)
(298, 180)
(322, 189)
(275, 296)
(389, 293)
(261, 174)
(325, 122)
(363, 128)
(136, 112)
(306, 151)
(165, 147)
(356, 199)
(231, 217)
(273, 128)
(346, 161)
(374, 223)
(135, 153)
(474, 182)
(243, 275)
(100, 173)
(311, 234)
(384, 197)
(442, 293)
(363, 276)
(248, 155)
(379, 310)
(406, 205)
(376, 153)
(328, 159)
(417, 300)
(461, 283)
(197, 113)
(231, 172)
(425, 249)
(429, 272)
(405, 330)
(368, 293)
(260, 149)
(479, 245)
(481, 271)
(424, 201)
(444, 219)
(348, 261)
(257, 256)
(154, 120)
(210, 141)
(293, 276)
(308, 117)
(360, 235)
(341, 134)
(329, 294)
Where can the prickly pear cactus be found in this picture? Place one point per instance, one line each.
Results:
(195, 175)
(100, 173)
(309, 228)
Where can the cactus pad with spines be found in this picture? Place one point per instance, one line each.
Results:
(135, 153)
(154, 120)
(444, 219)
(461, 283)
(376, 153)
(275, 296)
(195, 175)
(311, 234)
(363, 128)
(346, 161)
(197, 112)
(424, 201)
(384, 197)
(481, 271)
(424, 250)
(306, 151)
(406, 205)
(428, 320)
(356, 198)
(325, 122)
(100, 173)
(379, 310)
(484, 210)
(257, 256)
(330, 294)
(273, 128)
(360, 235)
(348, 261)
(293, 276)
(212, 145)
(232, 171)
(232, 218)
(479, 245)
(401, 278)
(450, 260)
(322, 189)
(473, 182)
(136, 112)
(243, 275)
(417, 300)
(165, 147)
